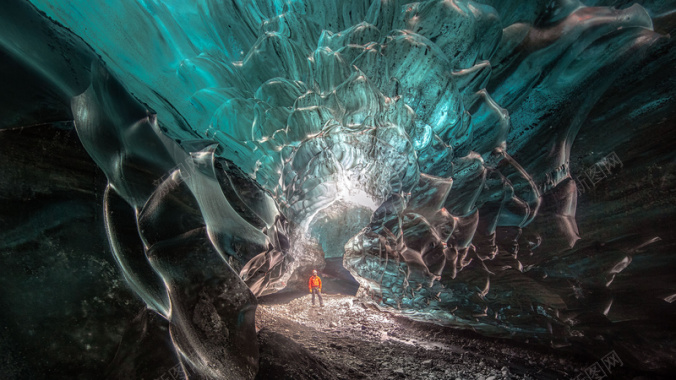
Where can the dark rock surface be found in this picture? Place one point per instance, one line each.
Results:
(350, 339)
(64, 303)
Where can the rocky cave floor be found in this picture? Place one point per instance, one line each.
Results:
(350, 339)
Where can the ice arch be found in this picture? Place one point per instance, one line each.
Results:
(462, 125)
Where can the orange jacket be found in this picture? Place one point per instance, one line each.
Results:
(315, 282)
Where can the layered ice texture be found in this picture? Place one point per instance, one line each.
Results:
(444, 148)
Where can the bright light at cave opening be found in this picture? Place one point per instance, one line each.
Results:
(349, 194)
(353, 193)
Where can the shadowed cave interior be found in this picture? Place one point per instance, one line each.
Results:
(486, 188)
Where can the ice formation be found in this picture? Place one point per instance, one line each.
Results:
(442, 142)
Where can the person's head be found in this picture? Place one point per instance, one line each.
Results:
(314, 272)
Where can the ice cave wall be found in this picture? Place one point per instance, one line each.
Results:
(504, 166)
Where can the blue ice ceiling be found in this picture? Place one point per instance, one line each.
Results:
(495, 165)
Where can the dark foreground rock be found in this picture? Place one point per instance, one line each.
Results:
(349, 339)
(283, 358)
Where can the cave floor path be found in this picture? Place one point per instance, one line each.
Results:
(352, 339)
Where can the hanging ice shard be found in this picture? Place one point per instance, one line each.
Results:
(492, 163)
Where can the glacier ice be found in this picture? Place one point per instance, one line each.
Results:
(445, 143)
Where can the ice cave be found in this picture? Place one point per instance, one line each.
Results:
(486, 188)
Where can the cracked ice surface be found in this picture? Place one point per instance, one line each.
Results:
(441, 131)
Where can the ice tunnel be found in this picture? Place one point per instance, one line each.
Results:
(494, 167)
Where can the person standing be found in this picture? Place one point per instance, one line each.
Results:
(315, 285)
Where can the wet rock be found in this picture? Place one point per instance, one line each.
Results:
(282, 359)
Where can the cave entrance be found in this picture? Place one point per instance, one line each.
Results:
(332, 227)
